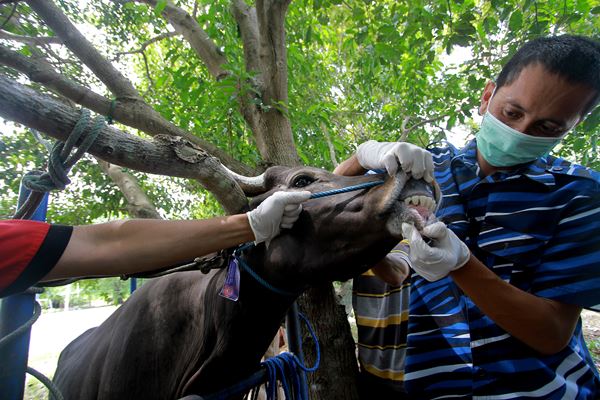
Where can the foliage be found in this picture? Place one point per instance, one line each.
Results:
(86, 293)
(357, 70)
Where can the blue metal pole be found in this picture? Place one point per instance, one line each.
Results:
(14, 312)
(294, 336)
(132, 285)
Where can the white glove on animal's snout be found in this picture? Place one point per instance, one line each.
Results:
(280, 210)
(445, 254)
(388, 155)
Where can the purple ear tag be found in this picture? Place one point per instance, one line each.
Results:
(231, 287)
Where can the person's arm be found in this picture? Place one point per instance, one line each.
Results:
(389, 156)
(131, 246)
(543, 324)
(350, 167)
(395, 267)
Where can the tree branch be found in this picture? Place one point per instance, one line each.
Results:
(421, 123)
(273, 51)
(202, 44)
(139, 204)
(172, 156)
(84, 50)
(245, 17)
(148, 43)
(137, 115)
(34, 40)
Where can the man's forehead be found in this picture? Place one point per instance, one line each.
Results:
(536, 89)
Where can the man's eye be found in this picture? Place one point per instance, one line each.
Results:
(549, 130)
(302, 181)
(511, 114)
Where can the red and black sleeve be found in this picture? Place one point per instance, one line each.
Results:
(28, 251)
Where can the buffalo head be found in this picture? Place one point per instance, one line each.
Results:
(339, 236)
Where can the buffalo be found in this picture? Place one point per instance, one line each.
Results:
(176, 335)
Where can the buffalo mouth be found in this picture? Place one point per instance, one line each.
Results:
(409, 200)
(422, 208)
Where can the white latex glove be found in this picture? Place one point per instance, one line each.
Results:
(280, 210)
(446, 252)
(388, 155)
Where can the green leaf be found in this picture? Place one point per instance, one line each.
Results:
(515, 22)
(159, 7)
(595, 10)
(308, 36)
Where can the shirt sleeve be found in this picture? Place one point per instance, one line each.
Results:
(28, 251)
(401, 251)
(570, 268)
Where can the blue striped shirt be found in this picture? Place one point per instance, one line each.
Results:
(537, 228)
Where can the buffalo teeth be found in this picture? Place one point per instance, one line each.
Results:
(421, 201)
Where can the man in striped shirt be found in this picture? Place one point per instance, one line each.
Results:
(496, 298)
(380, 302)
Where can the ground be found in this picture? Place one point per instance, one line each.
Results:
(591, 330)
(54, 330)
(50, 334)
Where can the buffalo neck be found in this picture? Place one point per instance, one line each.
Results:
(247, 327)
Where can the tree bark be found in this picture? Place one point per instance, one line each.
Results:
(336, 377)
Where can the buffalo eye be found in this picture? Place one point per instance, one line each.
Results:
(302, 181)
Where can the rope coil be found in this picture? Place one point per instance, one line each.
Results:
(284, 367)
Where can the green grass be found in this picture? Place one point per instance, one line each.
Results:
(34, 389)
(594, 347)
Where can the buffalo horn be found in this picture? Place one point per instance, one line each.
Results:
(251, 185)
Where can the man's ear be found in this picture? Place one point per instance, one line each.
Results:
(486, 96)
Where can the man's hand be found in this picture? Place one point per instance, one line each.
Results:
(280, 210)
(390, 155)
(445, 254)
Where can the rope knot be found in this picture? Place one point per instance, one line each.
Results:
(61, 160)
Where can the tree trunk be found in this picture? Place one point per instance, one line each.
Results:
(336, 377)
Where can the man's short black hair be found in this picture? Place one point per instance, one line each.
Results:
(575, 58)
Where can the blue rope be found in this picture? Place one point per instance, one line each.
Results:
(285, 366)
(111, 110)
(346, 189)
(261, 280)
